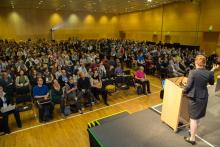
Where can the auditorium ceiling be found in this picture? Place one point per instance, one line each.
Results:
(99, 6)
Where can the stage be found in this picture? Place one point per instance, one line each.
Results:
(141, 129)
(209, 129)
(145, 129)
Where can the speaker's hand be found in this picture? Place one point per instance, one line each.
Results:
(215, 66)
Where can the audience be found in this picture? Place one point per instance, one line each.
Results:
(80, 69)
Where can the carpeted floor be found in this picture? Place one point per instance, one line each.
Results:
(141, 129)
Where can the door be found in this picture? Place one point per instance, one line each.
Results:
(209, 42)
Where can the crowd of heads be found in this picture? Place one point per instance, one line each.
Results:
(73, 58)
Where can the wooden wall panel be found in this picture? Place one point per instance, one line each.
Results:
(184, 21)
(141, 25)
(25, 23)
(181, 17)
(210, 15)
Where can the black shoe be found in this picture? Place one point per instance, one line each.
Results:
(7, 132)
(187, 139)
(149, 92)
(107, 104)
(91, 109)
(145, 93)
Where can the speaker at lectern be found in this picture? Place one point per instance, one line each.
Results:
(175, 104)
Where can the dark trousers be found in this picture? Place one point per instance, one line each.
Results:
(61, 102)
(144, 83)
(43, 107)
(102, 91)
(5, 120)
(86, 95)
(71, 100)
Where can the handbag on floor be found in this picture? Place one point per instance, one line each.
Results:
(67, 109)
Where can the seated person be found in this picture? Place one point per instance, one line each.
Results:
(141, 60)
(120, 76)
(56, 95)
(119, 70)
(162, 67)
(84, 87)
(183, 67)
(4, 102)
(41, 93)
(150, 67)
(9, 85)
(97, 88)
(140, 77)
(174, 69)
(22, 84)
(33, 77)
(102, 70)
(63, 78)
(48, 76)
(111, 72)
(70, 94)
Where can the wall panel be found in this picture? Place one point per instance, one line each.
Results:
(185, 22)
(25, 23)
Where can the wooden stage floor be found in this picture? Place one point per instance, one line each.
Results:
(71, 132)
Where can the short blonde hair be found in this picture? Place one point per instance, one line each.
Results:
(200, 60)
(141, 68)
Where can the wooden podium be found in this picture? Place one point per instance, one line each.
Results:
(175, 105)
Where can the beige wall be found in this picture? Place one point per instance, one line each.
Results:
(25, 23)
(178, 20)
(141, 25)
(184, 22)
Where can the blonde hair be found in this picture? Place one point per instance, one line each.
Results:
(141, 68)
(200, 60)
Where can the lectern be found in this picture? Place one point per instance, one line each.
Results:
(175, 104)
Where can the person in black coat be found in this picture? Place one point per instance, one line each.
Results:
(4, 102)
(84, 88)
(197, 92)
(97, 88)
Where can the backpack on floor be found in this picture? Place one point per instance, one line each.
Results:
(73, 108)
(139, 90)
